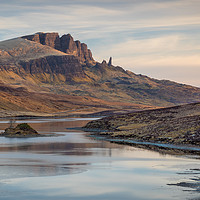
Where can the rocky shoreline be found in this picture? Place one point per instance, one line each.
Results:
(178, 125)
(162, 148)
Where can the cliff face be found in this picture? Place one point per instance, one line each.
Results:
(56, 69)
(25, 63)
(36, 64)
(49, 39)
(65, 44)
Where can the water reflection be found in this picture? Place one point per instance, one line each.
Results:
(67, 153)
(73, 166)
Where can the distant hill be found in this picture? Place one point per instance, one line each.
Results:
(45, 63)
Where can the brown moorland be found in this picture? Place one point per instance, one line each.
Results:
(46, 73)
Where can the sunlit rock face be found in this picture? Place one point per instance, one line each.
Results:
(45, 63)
(64, 43)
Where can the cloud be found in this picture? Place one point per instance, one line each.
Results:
(100, 19)
(11, 22)
(182, 74)
(174, 57)
(164, 50)
(145, 34)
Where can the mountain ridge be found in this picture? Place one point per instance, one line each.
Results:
(39, 67)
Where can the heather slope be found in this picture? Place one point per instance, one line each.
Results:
(173, 125)
(20, 101)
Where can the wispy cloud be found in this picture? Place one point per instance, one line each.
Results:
(96, 18)
(11, 23)
(145, 34)
(174, 56)
(174, 45)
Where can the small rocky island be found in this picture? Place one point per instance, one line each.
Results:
(20, 131)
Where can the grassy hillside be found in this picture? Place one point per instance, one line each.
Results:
(13, 100)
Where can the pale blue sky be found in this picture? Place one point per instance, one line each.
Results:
(158, 38)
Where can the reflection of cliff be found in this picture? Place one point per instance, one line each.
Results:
(49, 127)
(69, 154)
(59, 126)
(55, 159)
(65, 148)
(26, 170)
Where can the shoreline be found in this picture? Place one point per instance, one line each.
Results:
(72, 114)
(158, 146)
(163, 148)
(178, 126)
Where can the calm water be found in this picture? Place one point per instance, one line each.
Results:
(73, 166)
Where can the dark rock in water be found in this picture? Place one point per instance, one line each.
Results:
(21, 130)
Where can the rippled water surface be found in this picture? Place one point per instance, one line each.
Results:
(72, 166)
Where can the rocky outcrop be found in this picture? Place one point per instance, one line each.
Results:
(87, 54)
(79, 49)
(49, 39)
(41, 68)
(68, 45)
(21, 130)
(65, 44)
(110, 61)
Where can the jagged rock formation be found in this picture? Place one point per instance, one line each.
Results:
(65, 44)
(34, 63)
(110, 61)
(49, 39)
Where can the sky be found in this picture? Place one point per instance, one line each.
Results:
(157, 38)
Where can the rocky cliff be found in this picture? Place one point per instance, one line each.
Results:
(64, 43)
(33, 62)
(56, 69)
